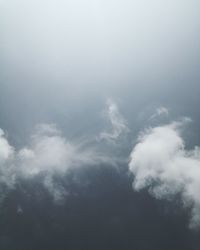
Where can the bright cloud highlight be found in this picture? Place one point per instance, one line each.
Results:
(161, 163)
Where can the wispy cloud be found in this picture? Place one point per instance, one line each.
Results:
(48, 152)
(161, 163)
(160, 111)
(118, 125)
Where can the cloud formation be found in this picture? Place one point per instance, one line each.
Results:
(161, 163)
(48, 153)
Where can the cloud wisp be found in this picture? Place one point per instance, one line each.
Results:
(161, 163)
(118, 125)
(161, 111)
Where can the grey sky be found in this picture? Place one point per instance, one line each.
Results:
(61, 61)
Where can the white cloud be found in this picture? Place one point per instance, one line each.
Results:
(6, 150)
(48, 152)
(7, 175)
(161, 163)
(118, 125)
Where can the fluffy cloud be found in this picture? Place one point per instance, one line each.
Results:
(6, 150)
(48, 153)
(7, 175)
(161, 163)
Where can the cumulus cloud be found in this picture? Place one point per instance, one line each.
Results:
(161, 163)
(118, 125)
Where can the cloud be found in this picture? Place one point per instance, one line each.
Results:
(49, 153)
(161, 111)
(6, 150)
(161, 163)
(118, 125)
(7, 175)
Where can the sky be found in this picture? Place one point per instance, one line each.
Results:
(99, 124)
